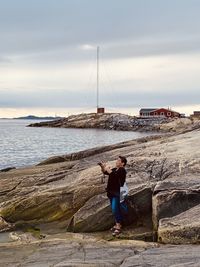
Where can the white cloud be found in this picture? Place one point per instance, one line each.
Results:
(88, 47)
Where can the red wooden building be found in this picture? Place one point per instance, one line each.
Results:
(159, 112)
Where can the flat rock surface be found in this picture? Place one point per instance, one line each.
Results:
(69, 250)
(85, 250)
(166, 256)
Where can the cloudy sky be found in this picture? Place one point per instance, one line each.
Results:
(149, 55)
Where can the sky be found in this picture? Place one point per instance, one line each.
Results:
(149, 56)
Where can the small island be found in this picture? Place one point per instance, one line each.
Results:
(118, 121)
(33, 117)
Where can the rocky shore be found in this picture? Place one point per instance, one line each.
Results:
(59, 210)
(115, 121)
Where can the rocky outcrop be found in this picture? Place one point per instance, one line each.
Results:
(95, 215)
(118, 121)
(174, 197)
(177, 124)
(181, 229)
(69, 194)
(110, 121)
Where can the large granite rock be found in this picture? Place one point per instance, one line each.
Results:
(96, 214)
(182, 228)
(167, 256)
(177, 124)
(64, 194)
(173, 197)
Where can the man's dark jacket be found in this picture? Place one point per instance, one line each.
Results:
(116, 179)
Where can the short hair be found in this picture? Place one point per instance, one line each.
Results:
(123, 160)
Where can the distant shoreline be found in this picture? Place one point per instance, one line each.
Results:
(32, 117)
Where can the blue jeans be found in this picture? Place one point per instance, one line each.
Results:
(117, 207)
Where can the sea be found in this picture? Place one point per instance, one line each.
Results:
(22, 146)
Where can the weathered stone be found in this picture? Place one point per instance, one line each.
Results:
(55, 159)
(177, 124)
(69, 250)
(86, 250)
(54, 193)
(50, 195)
(111, 121)
(174, 197)
(118, 121)
(181, 229)
(4, 226)
(7, 169)
(165, 256)
(22, 237)
(95, 215)
(140, 206)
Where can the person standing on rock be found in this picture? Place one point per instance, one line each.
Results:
(117, 178)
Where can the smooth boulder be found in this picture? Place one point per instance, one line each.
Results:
(181, 229)
(96, 214)
(173, 197)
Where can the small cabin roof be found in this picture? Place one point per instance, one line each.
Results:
(147, 109)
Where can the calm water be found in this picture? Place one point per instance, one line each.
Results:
(24, 146)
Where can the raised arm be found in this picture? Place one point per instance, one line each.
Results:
(104, 168)
(105, 172)
(107, 169)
